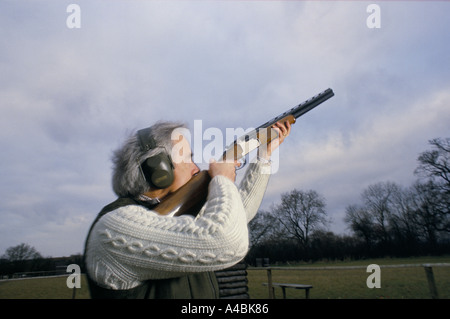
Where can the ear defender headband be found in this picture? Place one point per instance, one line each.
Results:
(157, 169)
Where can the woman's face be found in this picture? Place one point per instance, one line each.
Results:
(184, 167)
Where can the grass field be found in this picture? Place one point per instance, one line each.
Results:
(396, 283)
(42, 288)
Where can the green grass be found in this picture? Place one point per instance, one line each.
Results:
(396, 283)
(42, 288)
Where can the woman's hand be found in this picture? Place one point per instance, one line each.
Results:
(225, 168)
(283, 129)
(228, 169)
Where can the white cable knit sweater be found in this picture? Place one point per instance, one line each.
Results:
(132, 244)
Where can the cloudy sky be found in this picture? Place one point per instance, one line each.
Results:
(69, 96)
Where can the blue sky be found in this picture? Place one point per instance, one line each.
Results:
(68, 97)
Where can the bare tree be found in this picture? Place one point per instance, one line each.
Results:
(435, 164)
(361, 223)
(263, 228)
(404, 218)
(377, 200)
(21, 252)
(301, 213)
(431, 209)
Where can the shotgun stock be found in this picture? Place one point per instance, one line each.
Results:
(190, 198)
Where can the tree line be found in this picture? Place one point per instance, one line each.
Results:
(24, 260)
(390, 220)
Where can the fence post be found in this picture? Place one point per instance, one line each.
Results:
(269, 283)
(431, 283)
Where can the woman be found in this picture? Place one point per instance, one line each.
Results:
(133, 252)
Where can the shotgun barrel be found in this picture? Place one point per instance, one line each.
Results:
(300, 109)
(263, 134)
(189, 198)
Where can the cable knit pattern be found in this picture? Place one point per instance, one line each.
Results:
(253, 186)
(133, 244)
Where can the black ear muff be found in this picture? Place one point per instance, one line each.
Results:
(158, 169)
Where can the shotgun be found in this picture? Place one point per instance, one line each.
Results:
(190, 198)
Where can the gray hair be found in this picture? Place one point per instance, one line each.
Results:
(127, 179)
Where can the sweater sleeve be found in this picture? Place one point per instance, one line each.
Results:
(133, 244)
(253, 187)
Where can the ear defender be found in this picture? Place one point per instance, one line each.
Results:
(158, 169)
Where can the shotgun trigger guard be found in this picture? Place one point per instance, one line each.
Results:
(243, 162)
